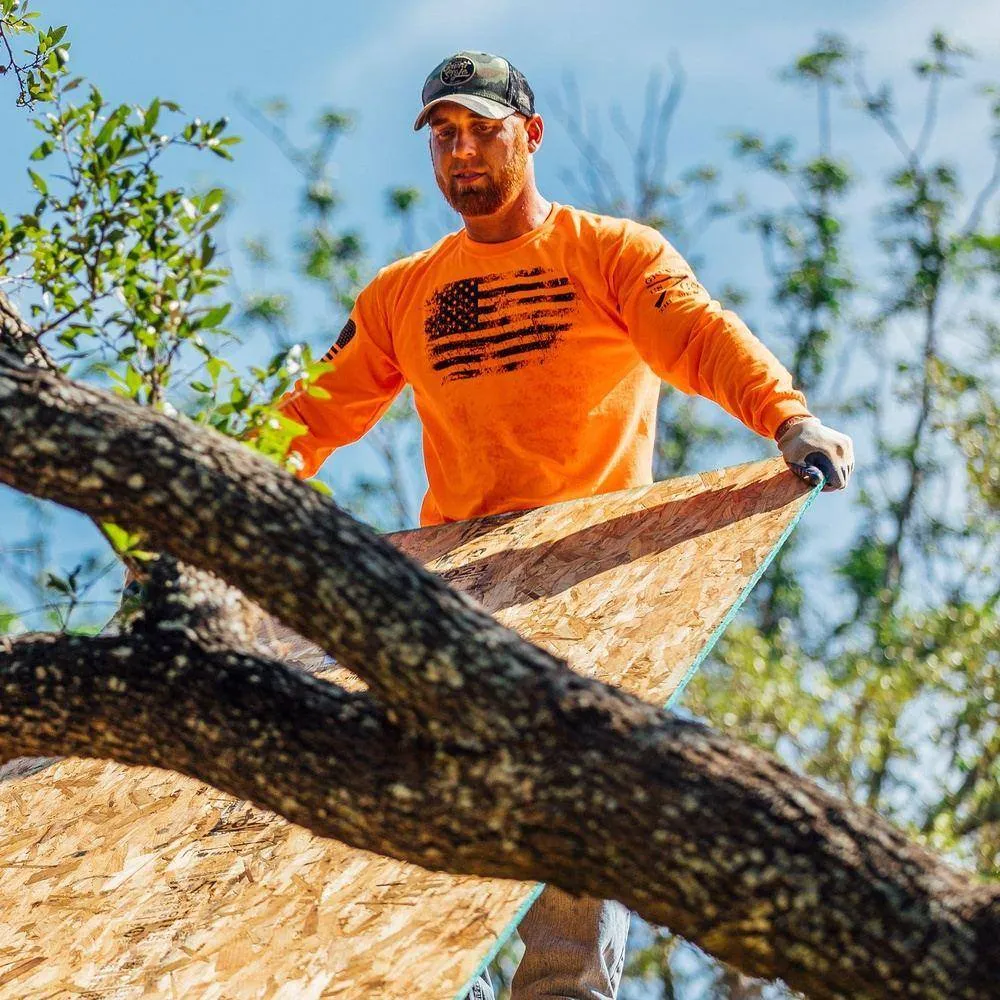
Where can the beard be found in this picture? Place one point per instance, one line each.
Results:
(490, 194)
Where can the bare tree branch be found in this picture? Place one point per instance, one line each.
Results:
(983, 199)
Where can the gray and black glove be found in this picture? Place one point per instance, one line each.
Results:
(813, 450)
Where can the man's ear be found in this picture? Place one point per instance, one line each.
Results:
(535, 128)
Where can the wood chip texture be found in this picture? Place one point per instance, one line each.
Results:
(124, 882)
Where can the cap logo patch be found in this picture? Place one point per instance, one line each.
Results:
(458, 71)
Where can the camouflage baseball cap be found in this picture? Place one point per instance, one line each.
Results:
(483, 83)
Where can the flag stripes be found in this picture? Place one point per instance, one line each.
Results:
(528, 315)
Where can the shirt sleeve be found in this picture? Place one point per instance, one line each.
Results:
(690, 341)
(353, 394)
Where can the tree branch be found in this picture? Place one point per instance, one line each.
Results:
(690, 828)
(163, 696)
(211, 502)
(490, 756)
(19, 339)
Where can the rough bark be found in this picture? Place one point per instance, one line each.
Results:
(17, 337)
(472, 751)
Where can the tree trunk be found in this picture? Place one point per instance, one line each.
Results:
(472, 751)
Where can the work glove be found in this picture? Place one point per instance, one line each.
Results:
(813, 451)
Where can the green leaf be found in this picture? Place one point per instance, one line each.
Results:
(151, 116)
(207, 253)
(8, 619)
(133, 380)
(320, 487)
(215, 316)
(40, 186)
(124, 542)
(215, 365)
(58, 584)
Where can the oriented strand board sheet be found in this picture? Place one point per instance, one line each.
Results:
(120, 882)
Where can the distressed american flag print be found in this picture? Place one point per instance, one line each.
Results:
(497, 323)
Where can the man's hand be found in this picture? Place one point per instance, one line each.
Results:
(813, 451)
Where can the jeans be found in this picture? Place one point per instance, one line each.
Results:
(574, 949)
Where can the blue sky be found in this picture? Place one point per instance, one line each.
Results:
(371, 59)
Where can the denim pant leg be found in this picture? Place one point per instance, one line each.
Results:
(574, 949)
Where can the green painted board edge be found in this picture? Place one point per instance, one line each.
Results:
(671, 701)
(741, 600)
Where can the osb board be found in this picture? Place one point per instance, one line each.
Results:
(120, 882)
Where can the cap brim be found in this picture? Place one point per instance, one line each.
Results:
(478, 105)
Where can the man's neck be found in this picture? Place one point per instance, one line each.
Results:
(528, 211)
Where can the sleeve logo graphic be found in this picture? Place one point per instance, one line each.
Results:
(345, 337)
(668, 286)
(497, 322)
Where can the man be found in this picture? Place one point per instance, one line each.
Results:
(535, 339)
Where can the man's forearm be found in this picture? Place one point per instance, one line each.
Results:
(733, 368)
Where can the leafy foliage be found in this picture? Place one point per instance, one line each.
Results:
(889, 696)
(40, 66)
(119, 270)
(330, 260)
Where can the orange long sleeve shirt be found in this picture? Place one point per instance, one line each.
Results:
(536, 363)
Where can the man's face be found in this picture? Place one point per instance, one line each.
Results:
(480, 164)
